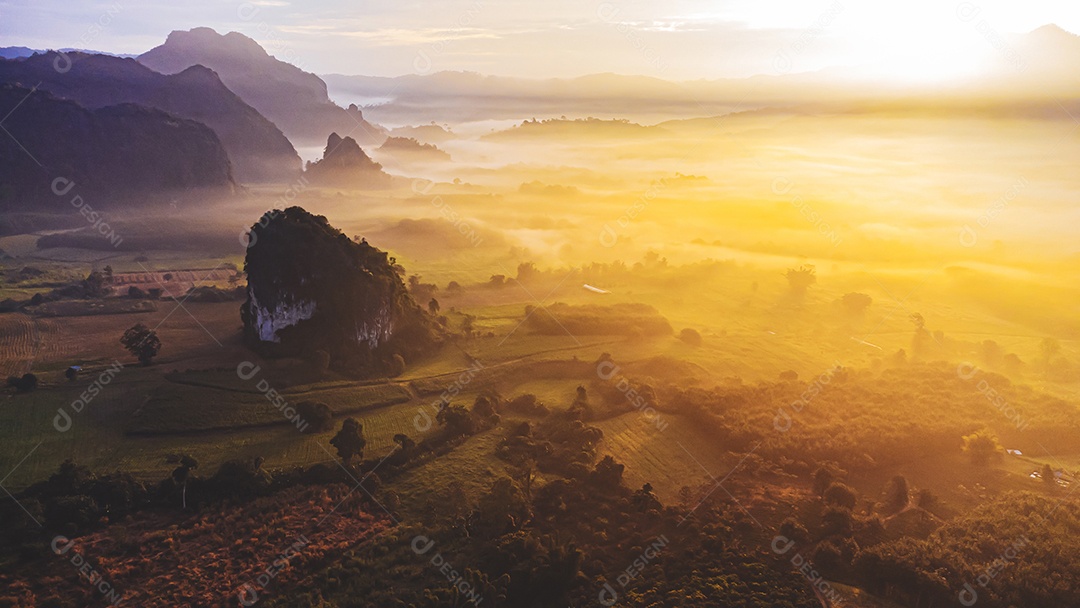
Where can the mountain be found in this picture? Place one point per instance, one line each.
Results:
(58, 150)
(1046, 60)
(345, 164)
(295, 100)
(257, 149)
(15, 52)
(312, 288)
(1027, 66)
(581, 127)
(459, 97)
(431, 134)
(407, 147)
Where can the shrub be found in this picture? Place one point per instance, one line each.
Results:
(350, 440)
(800, 280)
(841, 495)
(836, 521)
(396, 366)
(23, 384)
(142, 342)
(855, 303)
(318, 416)
(527, 405)
(982, 447)
(690, 336)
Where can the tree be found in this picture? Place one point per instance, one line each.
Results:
(870, 531)
(645, 500)
(96, 285)
(421, 291)
(142, 342)
(793, 530)
(897, 494)
(487, 405)
(823, 478)
(350, 440)
(1048, 475)
(241, 477)
(395, 366)
(982, 446)
(524, 475)
(608, 473)
(841, 495)
(23, 384)
(1012, 363)
(405, 444)
(855, 303)
(504, 506)
(457, 420)
(1048, 348)
(800, 280)
(182, 472)
(433, 306)
(690, 336)
(580, 409)
(926, 499)
(317, 415)
(828, 558)
(836, 521)
(526, 271)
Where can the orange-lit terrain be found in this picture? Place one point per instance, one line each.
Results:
(540, 324)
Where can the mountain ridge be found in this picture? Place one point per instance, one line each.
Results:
(257, 149)
(109, 154)
(293, 99)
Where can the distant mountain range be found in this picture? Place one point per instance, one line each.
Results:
(56, 150)
(14, 52)
(210, 107)
(1032, 66)
(257, 149)
(255, 105)
(295, 100)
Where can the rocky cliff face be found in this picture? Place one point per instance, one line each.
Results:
(312, 288)
(293, 99)
(257, 149)
(102, 156)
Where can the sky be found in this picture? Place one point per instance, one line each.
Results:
(672, 39)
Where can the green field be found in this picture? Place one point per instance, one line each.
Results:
(192, 400)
